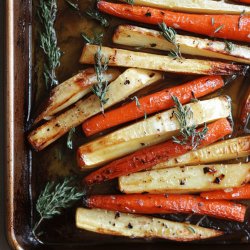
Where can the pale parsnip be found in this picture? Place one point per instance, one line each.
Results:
(189, 179)
(83, 109)
(195, 6)
(220, 151)
(133, 59)
(148, 132)
(146, 38)
(137, 226)
(72, 90)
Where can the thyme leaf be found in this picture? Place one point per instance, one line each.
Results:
(100, 89)
(70, 138)
(219, 28)
(170, 35)
(54, 198)
(137, 102)
(47, 11)
(74, 6)
(188, 132)
(97, 39)
(130, 1)
(229, 46)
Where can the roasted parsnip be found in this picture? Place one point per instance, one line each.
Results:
(73, 90)
(147, 38)
(195, 6)
(148, 132)
(220, 151)
(126, 58)
(83, 109)
(136, 226)
(190, 179)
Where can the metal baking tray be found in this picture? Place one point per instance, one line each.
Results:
(25, 176)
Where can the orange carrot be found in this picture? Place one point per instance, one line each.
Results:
(153, 103)
(235, 27)
(165, 204)
(239, 193)
(148, 157)
(245, 110)
(243, 1)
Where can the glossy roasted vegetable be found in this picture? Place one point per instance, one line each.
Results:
(191, 179)
(127, 58)
(152, 103)
(118, 90)
(165, 204)
(137, 226)
(150, 131)
(232, 27)
(147, 158)
(220, 151)
(72, 90)
(238, 193)
(196, 6)
(146, 38)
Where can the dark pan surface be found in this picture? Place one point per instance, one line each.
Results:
(28, 171)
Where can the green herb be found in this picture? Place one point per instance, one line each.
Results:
(170, 35)
(70, 138)
(97, 39)
(190, 229)
(130, 1)
(189, 133)
(100, 89)
(137, 102)
(56, 197)
(212, 21)
(74, 6)
(97, 15)
(194, 100)
(48, 41)
(219, 28)
(229, 46)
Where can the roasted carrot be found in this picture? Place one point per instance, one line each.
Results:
(147, 158)
(234, 27)
(153, 103)
(243, 1)
(245, 109)
(238, 193)
(164, 204)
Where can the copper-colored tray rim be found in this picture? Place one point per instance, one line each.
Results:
(9, 113)
(10, 154)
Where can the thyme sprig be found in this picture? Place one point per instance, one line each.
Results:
(98, 16)
(170, 35)
(54, 198)
(189, 133)
(100, 89)
(47, 11)
(96, 39)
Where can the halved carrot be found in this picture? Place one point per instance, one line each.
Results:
(164, 204)
(235, 27)
(238, 193)
(147, 158)
(153, 103)
(243, 1)
(245, 109)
